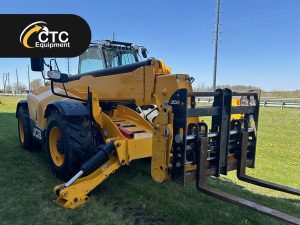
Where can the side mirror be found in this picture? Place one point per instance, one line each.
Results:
(144, 52)
(57, 76)
(37, 64)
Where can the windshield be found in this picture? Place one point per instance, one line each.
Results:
(119, 56)
(90, 60)
(101, 57)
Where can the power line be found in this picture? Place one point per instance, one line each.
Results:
(263, 17)
(216, 44)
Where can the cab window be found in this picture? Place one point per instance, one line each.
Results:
(119, 56)
(90, 60)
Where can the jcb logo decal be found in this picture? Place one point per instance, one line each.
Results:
(44, 37)
(37, 133)
(174, 102)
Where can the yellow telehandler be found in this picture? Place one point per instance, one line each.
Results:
(120, 108)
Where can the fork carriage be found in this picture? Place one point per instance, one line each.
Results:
(223, 137)
(229, 144)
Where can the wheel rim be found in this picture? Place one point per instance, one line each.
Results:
(21, 129)
(54, 139)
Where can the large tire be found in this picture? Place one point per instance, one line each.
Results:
(24, 129)
(68, 144)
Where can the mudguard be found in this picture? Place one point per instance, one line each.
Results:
(21, 103)
(67, 108)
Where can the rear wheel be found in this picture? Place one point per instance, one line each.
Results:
(69, 144)
(25, 136)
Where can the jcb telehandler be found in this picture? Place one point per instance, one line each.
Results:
(120, 108)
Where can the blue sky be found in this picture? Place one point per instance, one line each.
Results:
(260, 39)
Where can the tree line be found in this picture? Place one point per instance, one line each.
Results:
(237, 88)
(20, 88)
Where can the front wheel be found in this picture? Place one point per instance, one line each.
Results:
(69, 144)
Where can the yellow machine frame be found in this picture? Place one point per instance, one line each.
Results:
(164, 139)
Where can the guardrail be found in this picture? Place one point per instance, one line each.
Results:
(10, 94)
(265, 102)
(280, 99)
(280, 104)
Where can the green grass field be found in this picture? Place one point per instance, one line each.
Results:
(130, 196)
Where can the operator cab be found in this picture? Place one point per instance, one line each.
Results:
(108, 54)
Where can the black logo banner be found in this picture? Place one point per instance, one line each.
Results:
(45, 35)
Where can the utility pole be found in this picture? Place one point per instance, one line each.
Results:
(28, 78)
(113, 36)
(17, 92)
(8, 81)
(216, 43)
(68, 65)
(4, 82)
